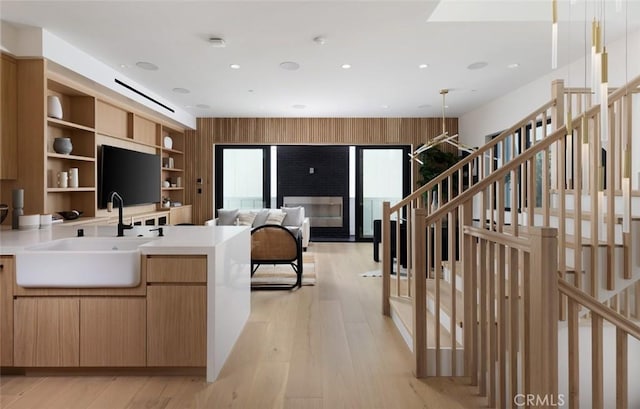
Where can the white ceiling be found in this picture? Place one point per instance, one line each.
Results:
(384, 41)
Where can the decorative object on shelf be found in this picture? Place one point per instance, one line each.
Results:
(166, 183)
(4, 211)
(167, 142)
(179, 181)
(54, 107)
(63, 179)
(166, 202)
(29, 222)
(63, 145)
(17, 196)
(73, 177)
(176, 204)
(71, 214)
(167, 162)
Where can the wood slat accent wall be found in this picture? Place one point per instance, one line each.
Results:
(293, 131)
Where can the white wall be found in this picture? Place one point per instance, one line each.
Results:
(37, 42)
(510, 108)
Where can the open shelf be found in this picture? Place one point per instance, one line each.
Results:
(70, 157)
(59, 123)
(173, 151)
(70, 189)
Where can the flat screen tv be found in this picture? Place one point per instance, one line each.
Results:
(134, 175)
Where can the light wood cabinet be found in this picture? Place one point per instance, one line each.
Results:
(176, 311)
(9, 114)
(112, 331)
(47, 331)
(176, 325)
(181, 214)
(7, 274)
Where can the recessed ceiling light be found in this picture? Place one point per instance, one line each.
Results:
(217, 42)
(346, 66)
(423, 106)
(298, 106)
(320, 40)
(203, 106)
(234, 66)
(181, 90)
(147, 66)
(514, 65)
(423, 66)
(123, 65)
(385, 106)
(289, 65)
(477, 65)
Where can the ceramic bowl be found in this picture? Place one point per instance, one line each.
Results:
(29, 222)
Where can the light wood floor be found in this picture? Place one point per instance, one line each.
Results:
(326, 346)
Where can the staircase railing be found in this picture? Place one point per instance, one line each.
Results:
(623, 329)
(527, 177)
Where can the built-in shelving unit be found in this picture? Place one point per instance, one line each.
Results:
(77, 124)
(89, 119)
(173, 165)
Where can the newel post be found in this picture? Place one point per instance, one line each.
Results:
(541, 315)
(385, 225)
(419, 282)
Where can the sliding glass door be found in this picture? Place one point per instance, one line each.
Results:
(242, 177)
(382, 174)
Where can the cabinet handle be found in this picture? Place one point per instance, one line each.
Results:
(1, 267)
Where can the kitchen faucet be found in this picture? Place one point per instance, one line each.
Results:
(121, 226)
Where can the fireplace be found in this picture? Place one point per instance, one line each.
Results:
(322, 211)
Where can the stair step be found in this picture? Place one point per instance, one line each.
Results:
(403, 308)
(569, 238)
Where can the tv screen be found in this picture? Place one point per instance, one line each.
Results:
(134, 175)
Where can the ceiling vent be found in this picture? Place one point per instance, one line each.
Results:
(217, 42)
(142, 94)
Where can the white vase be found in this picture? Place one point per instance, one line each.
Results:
(54, 107)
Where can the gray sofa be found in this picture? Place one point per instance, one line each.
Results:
(292, 218)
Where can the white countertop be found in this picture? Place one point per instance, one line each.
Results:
(176, 240)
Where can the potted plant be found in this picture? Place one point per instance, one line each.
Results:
(436, 162)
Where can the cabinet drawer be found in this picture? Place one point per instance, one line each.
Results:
(176, 269)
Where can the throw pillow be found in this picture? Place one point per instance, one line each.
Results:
(227, 217)
(294, 216)
(261, 217)
(275, 217)
(246, 218)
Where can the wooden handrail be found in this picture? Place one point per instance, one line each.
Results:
(469, 159)
(600, 309)
(622, 91)
(501, 238)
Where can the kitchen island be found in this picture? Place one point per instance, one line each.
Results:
(187, 309)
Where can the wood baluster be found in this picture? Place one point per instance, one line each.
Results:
(574, 354)
(597, 398)
(622, 370)
(419, 230)
(386, 258)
